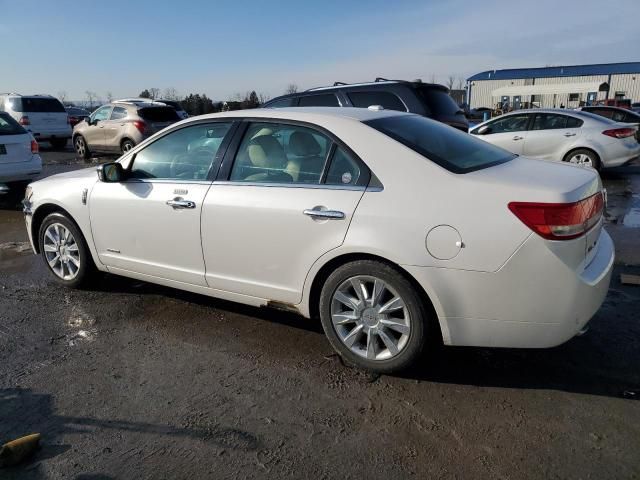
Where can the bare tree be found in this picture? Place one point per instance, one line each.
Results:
(171, 93)
(432, 78)
(460, 84)
(109, 97)
(291, 88)
(154, 93)
(62, 95)
(450, 81)
(264, 98)
(91, 96)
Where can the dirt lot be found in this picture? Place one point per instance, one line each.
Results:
(132, 380)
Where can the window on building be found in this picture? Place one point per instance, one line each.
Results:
(574, 97)
(620, 95)
(536, 100)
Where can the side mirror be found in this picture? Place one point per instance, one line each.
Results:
(484, 130)
(110, 172)
(89, 121)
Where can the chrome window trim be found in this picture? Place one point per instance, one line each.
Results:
(315, 186)
(204, 181)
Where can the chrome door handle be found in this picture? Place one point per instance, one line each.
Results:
(330, 214)
(179, 203)
(569, 134)
(518, 137)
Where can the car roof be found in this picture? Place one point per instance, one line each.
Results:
(308, 113)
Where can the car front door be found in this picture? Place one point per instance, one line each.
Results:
(508, 132)
(113, 128)
(551, 135)
(150, 222)
(284, 196)
(94, 132)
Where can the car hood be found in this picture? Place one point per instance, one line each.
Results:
(82, 174)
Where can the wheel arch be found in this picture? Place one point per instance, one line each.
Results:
(573, 149)
(41, 213)
(313, 299)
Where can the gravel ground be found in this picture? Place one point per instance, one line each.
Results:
(132, 380)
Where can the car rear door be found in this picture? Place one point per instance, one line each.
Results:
(551, 135)
(284, 196)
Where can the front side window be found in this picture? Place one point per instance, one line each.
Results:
(101, 114)
(549, 121)
(280, 153)
(448, 147)
(118, 113)
(185, 154)
(324, 100)
(511, 123)
(387, 100)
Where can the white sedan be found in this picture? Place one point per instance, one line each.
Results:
(393, 229)
(563, 135)
(19, 159)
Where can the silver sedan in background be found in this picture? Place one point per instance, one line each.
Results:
(563, 135)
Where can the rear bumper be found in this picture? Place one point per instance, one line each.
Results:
(21, 171)
(619, 153)
(44, 134)
(534, 301)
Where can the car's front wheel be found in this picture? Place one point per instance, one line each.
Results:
(65, 251)
(81, 147)
(373, 316)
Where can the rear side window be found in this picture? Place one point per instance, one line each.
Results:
(8, 126)
(285, 102)
(438, 102)
(37, 104)
(325, 100)
(452, 149)
(552, 121)
(344, 170)
(386, 99)
(159, 114)
(118, 113)
(573, 122)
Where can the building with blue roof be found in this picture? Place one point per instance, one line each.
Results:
(569, 86)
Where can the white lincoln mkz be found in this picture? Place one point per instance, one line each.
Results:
(393, 229)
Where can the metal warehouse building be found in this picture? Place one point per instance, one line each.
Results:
(571, 86)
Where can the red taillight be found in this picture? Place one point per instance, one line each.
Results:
(140, 125)
(560, 221)
(69, 119)
(35, 148)
(24, 121)
(620, 132)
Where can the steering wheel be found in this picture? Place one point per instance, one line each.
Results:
(187, 165)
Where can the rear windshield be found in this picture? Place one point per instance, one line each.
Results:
(171, 103)
(450, 148)
(8, 126)
(159, 114)
(37, 104)
(439, 103)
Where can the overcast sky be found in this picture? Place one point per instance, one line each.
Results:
(226, 47)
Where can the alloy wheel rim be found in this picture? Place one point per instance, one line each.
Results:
(80, 146)
(370, 318)
(61, 251)
(127, 146)
(582, 160)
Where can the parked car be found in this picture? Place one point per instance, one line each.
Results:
(19, 159)
(171, 103)
(614, 113)
(616, 102)
(563, 135)
(427, 99)
(635, 107)
(42, 115)
(120, 126)
(76, 115)
(347, 215)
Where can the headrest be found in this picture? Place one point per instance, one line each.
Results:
(266, 152)
(302, 144)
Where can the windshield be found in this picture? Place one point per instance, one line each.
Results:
(450, 148)
(37, 104)
(8, 126)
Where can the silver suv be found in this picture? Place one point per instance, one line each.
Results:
(120, 126)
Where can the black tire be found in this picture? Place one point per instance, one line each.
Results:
(59, 143)
(81, 147)
(87, 268)
(126, 145)
(593, 157)
(420, 322)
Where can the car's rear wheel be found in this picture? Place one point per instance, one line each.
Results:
(65, 251)
(583, 158)
(81, 147)
(373, 316)
(58, 143)
(127, 145)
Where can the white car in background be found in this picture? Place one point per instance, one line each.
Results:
(19, 159)
(394, 229)
(563, 135)
(42, 115)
